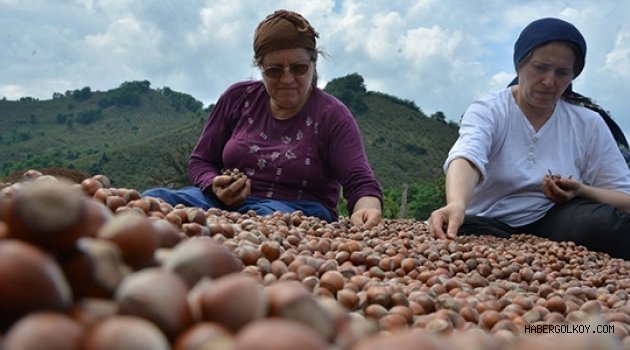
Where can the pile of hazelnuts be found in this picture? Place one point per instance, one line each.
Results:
(90, 266)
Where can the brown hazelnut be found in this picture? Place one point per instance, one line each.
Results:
(295, 335)
(199, 257)
(44, 330)
(134, 235)
(51, 215)
(166, 306)
(31, 281)
(125, 332)
(205, 335)
(233, 300)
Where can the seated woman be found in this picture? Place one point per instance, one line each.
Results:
(529, 161)
(296, 145)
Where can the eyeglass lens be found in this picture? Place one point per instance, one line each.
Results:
(295, 69)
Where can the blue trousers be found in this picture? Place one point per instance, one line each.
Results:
(192, 196)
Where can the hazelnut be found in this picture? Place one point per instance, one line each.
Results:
(31, 281)
(125, 332)
(44, 330)
(166, 306)
(199, 257)
(233, 300)
(256, 336)
(134, 235)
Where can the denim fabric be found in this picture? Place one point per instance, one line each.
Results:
(193, 197)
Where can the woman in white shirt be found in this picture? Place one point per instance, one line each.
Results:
(529, 161)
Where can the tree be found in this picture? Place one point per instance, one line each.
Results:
(136, 86)
(350, 90)
(422, 199)
(352, 82)
(127, 94)
(88, 117)
(105, 102)
(439, 116)
(83, 94)
(174, 172)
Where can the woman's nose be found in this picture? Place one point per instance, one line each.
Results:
(287, 76)
(549, 79)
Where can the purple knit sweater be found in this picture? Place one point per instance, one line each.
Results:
(307, 157)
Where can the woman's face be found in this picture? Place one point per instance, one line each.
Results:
(543, 78)
(290, 90)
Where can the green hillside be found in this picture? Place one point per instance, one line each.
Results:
(403, 144)
(140, 137)
(123, 132)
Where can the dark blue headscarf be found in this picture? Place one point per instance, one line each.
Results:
(542, 31)
(545, 30)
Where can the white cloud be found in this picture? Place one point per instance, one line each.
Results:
(128, 49)
(382, 35)
(421, 45)
(500, 80)
(12, 91)
(618, 60)
(442, 54)
(219, 23)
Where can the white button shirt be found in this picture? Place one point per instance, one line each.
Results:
(513, 158)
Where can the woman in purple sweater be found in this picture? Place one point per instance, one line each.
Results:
(296, 145)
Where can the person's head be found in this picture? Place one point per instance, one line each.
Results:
(548, 55)
(544, 31)
(285, 50)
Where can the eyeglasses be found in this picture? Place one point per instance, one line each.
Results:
(296, 69)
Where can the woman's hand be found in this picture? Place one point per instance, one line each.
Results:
(231, 193)
(560, 190)
(367, 212)
(446, 221)
(366, 217)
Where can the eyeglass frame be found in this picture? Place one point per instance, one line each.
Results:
(290, 69)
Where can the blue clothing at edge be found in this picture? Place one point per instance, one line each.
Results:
(192, 196)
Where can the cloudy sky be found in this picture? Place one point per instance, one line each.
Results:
(441, 54)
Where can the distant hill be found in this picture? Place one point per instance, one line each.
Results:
(403, 144)
(140, 137)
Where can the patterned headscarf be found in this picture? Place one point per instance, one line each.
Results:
(283, 30)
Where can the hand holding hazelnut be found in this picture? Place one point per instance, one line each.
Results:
(560, 189)
(231, 187)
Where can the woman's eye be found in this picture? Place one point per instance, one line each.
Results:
(563, 73)
(540, 67)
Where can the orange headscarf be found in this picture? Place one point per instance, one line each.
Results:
(283, 30)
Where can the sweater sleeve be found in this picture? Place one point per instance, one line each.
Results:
(349, 161)
(206, 159)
